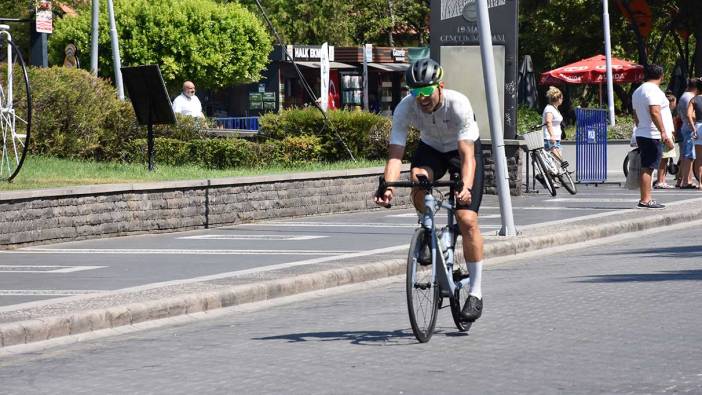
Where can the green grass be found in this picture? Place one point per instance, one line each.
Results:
(44, 172)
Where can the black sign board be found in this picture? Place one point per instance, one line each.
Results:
(150, 100)
(454, 23)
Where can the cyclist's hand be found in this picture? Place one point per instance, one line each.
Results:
(465, 197)
(384, 199)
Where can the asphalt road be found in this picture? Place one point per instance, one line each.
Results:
(616, 318)
(94, 266)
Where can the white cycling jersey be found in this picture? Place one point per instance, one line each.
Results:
(452, 121)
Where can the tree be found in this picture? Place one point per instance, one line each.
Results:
(215, 45)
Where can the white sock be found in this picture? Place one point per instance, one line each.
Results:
(476, 270)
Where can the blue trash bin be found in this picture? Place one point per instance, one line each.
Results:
(591, 145)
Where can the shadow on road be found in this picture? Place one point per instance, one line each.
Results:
(690, 251)
(400, 337)
(677, 275)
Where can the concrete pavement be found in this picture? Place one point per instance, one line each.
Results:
(565, 220)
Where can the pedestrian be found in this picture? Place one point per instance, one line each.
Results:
(551, 119)
(694, 114)
(668, 153)
(187, 103)
(654, 129)
(687, 145)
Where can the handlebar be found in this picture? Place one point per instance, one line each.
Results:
(423, 183)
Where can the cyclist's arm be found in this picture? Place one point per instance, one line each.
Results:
(466, 150)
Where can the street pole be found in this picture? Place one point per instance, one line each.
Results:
(366, 49)
(496, 129)
(608, 56)
(115, 51)
(94, 41)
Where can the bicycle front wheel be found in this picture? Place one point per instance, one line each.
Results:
(458, 300)
(422, 292)
(15, 111)
(546, 178)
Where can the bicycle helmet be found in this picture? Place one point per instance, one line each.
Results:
(423, 72)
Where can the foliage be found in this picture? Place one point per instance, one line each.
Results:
(299, 149)
(213, 44)
(76, 115)
(622, 129)
(527, 119)
(345, 23)
(364, 133)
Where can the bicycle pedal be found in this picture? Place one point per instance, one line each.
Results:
(422, 286)
(458, 275)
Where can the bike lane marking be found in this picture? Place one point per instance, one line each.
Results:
(47, 269)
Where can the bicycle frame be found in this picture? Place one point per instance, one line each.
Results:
(442, 268)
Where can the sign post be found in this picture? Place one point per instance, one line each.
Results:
(324, 76)
(367, 58)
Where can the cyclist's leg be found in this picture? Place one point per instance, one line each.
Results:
(428, 162)
(467, 218)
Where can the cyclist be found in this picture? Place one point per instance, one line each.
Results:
(449, 139)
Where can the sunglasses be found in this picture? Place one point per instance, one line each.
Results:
(424, 90)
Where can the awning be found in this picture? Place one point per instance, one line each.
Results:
(332, 65)
(390, 66)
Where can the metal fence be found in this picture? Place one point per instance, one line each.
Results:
(238, 123)
(591, 145)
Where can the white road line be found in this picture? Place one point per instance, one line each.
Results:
(47, 292)
(46, 269)
(36, 250)
(245, 272)
(332, 224)
(252, 237)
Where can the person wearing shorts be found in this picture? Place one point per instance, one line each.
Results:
(695, 117)
(552, 119)
(449, 140)
(687, 145)
(654, 128)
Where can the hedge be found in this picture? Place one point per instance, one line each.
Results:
(365, 134)
(229, 153)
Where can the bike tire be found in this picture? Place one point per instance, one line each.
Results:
(567, 182)
(625, 165)
(15, 125)
(459, 297)
(422, 294)
(548, 179)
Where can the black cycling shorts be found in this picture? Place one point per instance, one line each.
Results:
(440, 162)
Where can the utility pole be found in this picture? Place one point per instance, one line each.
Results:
(115, 51)
(496, 129)
(391, 41)
(608, 57)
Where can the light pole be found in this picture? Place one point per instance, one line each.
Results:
(608, 57)
(115, 51)
(94, 39)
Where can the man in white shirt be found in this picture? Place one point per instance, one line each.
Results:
(654, 128)
(187, 103)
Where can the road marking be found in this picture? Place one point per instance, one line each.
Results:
(46, 269)
(37, 250)
(252, 237)
(47, 292)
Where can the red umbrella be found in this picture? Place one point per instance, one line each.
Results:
(594, 71)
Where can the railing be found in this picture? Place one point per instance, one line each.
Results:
(238, 123)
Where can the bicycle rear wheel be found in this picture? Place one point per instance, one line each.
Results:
(458, 300)
(422, 293)
(15, 111)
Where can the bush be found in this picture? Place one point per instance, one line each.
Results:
(365, 134)
(622, 129)
(213, 44)
(294, 150)
(76, 115)
(527, 119)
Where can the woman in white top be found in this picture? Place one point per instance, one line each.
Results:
(552, 119)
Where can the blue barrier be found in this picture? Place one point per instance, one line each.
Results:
(240, 123)
(591, 145)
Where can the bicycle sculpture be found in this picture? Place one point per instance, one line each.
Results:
(15, 107)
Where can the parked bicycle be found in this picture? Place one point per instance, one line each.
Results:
(673, 166)
(15, 107)
(548, 167)
(428, 284)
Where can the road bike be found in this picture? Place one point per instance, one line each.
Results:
(427, 284)
(15, 107)
(547, 166)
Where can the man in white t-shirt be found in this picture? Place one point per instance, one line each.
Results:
(654, 128)
(187, 103)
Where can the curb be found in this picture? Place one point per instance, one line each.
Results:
(41, 329)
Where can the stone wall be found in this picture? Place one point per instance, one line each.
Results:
(44, 216)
